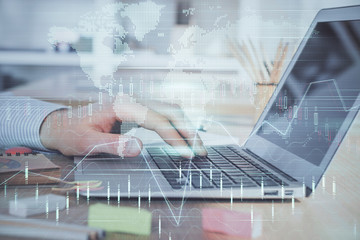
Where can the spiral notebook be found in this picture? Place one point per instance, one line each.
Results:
(22, 169)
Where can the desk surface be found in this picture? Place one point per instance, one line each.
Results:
(332, 212)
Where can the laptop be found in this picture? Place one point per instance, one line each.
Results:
(290, 147)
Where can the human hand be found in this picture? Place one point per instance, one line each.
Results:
(90, 133)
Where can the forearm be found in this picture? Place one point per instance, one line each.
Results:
(21, 119)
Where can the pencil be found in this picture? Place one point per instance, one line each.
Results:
(262, 69)
(266, 60)
(276, 63)
(281, 62)
(235, 51)
(245, 50)
(256, 63)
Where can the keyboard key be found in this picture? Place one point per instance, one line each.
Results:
(215, 173)
(205, 183)
(173, 178)
(229, 154)
(170, 174)
(217, 148)
(224, 184)
(164, 163)
(231, 169)
(202, 164)
(243, 165)
(155, 152)
(215, 157)
(270, 182)
(177, 158)
(234, 158)
(242, 180)
(186, 172)
(238, 175)
(225, 181)
(187, 165)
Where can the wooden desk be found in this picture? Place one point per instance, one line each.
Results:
(332, 212)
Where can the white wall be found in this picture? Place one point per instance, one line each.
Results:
(25, 24)
(271, 20)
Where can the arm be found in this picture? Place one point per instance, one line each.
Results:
(21, 119)
(91, 131)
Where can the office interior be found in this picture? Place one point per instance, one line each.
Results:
(28, 58)
(209, 71)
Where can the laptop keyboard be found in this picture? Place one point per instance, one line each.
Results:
(224, 167)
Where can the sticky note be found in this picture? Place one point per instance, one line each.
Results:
(232, 223)
(120, 219)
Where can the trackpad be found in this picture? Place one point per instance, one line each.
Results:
(117, 174)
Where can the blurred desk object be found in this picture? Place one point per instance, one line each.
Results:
(264, 71)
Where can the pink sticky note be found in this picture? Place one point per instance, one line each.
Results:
(231, 222)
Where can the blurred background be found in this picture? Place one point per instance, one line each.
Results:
(190, 58)
(26, 55)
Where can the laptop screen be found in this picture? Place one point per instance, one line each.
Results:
(318, 93)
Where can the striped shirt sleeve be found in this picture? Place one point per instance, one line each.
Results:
(21, 119)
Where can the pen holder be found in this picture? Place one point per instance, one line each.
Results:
(263, 92)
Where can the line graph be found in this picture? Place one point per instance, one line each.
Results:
(301, 102)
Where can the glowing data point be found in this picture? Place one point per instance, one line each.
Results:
(149, 198)
(128, 186)
(159, 226)
(334, 187)
(57, 212)
(26, 172)
(47, 207)
(87, 193)
(36, 192)
(67, 204)
(139, 201)
(272, 211)
(313, 187)
(108, 192)
(77, 194)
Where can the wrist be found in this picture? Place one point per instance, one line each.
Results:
(48, 130)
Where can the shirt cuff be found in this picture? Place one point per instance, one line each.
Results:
(21, 119)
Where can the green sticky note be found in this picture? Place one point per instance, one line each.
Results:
(120, 219)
